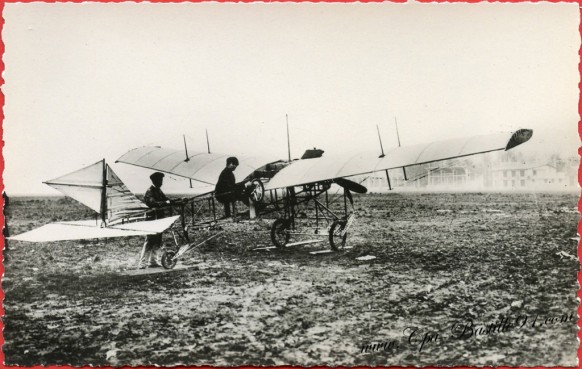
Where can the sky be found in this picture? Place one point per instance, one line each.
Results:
(90, 81)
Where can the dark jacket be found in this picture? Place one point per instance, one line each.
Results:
(155, 198)
(226, 185)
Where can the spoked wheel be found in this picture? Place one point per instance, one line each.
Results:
(258, 191)
(280, 232)
(169, 259)
(336, 240)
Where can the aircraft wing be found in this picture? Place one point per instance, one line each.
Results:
(327, 168)
(88, 229)
(201, 167)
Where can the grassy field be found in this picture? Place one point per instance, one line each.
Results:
(500, 266)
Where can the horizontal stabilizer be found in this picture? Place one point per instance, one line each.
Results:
(150, 226)
(66, 232)
(88, 229)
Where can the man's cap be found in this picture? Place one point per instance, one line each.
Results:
(232, 160)
(157, 175)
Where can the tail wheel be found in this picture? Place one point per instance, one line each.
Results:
(169, 259)
(258, 191)
(336, 240)
(280, 232)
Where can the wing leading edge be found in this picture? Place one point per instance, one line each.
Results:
(201, 167)
(327, 168)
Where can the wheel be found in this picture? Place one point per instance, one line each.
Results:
(336, 240)
(280, 232)
(169, 259)
(258, 191)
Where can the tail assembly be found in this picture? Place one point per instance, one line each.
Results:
(97, 186)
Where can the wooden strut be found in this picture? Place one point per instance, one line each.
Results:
(292, 201)
(311, 194)
(398, 136)
(103, 207)
(187, 158)
(316, 211)
(383, 155)
(194, 207)
(288, 139)
(187, 248)
(185, 148)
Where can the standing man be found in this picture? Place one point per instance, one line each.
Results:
(155, 199)
(226, 190)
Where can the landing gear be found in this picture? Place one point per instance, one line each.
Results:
(280, 232)
(337, 235)
(169, 259)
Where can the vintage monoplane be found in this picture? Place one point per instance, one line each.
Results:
(285, 188)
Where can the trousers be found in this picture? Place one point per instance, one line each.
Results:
(149, 253)
(229, 199)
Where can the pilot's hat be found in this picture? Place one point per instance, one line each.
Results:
(158, 175)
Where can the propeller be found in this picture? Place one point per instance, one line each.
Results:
(350, 185)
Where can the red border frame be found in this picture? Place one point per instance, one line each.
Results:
(2, 66)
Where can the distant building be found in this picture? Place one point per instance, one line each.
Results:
(465, 176)
(515, 176)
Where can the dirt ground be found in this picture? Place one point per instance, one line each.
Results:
(457, 279)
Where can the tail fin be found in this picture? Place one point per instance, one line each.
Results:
(88, 186)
